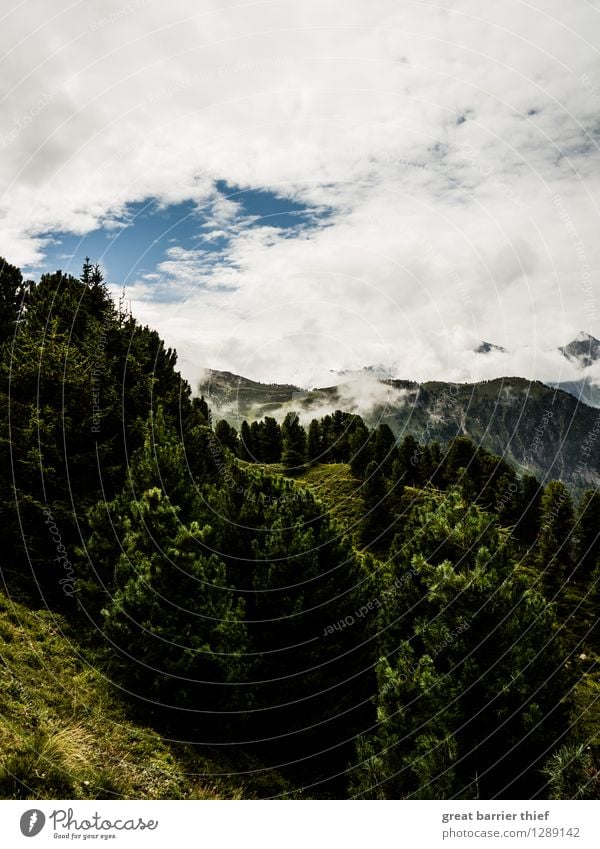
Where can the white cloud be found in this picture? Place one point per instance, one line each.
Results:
(455, 144)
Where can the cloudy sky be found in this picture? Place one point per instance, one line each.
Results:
(289, 188)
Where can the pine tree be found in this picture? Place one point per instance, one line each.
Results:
(173, 617)
(361, 448)
(472, 679)
(227, 435)
(376, 520)
(556, 538)
(313, 447)
(409, 455)
(293, 435)
(12, 292)
(385, 452)
(528, 521)
(86, 272)
(247, 449)
(256, 440)
(271, 436)
(588, 536)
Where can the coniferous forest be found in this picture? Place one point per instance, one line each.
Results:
(281, 609)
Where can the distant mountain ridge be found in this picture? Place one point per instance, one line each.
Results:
(539, 429)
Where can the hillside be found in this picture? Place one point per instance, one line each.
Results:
(64, 732)
(538, 428)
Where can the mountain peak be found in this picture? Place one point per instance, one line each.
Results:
(583, 350)
(583, 336)
(488, 348)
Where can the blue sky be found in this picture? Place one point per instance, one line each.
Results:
(137, 242)
(292, 188)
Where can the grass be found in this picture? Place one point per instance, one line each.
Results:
(65, 732)
(333, 485)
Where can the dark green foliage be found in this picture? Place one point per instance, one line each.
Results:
(246, 447)
(314, 443)
(384, 449)
(572, 773)
(556, 537)
(360, 448)
(588, 536)
(12, 290)
(462, 454)
(227, 436)
(408, 469)
(376, 525)
(271, 440)
(527, 526)
(293, 435)
(232, 606)
(173, 620)
(472, 672)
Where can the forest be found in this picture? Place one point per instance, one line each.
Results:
(327, 610)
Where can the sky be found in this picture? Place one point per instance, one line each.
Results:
(288, 190)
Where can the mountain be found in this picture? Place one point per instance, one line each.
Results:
(584, 390)
(488, 348)
(584, 350)
(244, 397)
(539, 429)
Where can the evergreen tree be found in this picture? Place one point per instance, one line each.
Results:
(528, 521)
(556, 538)
(313, 446)
(472, 677)
(361, 449)
(247, 449)
(227, 435)
(174, 622)
(462, 454)
(385, 452)
(202, 408)
(256, 441)
(271, 437)
(86, 272)
(12, 291)
(293, 435)
(588, 536)
(376, 523)
(572, 773)
(409, 455)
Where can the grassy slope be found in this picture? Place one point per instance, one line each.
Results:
(64, 732)
(334, 485)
